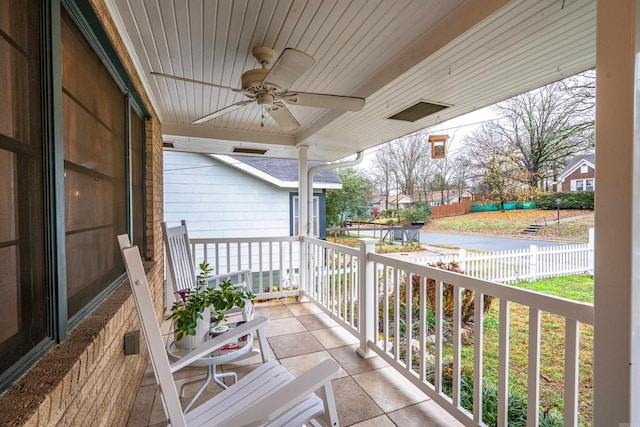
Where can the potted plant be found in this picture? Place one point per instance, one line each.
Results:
(197, 308)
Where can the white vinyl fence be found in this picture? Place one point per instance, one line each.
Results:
(532, 263)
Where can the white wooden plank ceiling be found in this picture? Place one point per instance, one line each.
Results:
(467, 54)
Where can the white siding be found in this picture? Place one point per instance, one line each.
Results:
(219, 201)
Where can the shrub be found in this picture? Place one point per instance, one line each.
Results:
(407, 216)
(581, 200)
(386, 213)
(516, 402)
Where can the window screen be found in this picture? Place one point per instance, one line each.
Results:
(23, 309)
(94, 169)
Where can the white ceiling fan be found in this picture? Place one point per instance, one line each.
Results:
(270, 87)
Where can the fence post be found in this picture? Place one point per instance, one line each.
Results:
(590, 254)
(533, 262)
(462, 254)
(366, 298)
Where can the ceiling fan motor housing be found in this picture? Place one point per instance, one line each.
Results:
(252, 80)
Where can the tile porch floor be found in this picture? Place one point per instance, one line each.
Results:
(368, 392)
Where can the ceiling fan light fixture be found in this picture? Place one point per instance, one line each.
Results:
(265, 99)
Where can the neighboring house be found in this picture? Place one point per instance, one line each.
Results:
(578, 175)
(446, 197)
(377, 201)
(400, 201)
(239, 196)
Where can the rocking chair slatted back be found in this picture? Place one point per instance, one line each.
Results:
(180, 263)
(181, 268)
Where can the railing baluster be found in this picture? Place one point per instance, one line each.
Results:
(260, 275)
(409, 320)
(503, 363)
(571, 360)
(385, 324)
(271, 284)
(423, 328)
(478, 342)
(457, 291)
(533, 377)
(396, 315)
(438, 355)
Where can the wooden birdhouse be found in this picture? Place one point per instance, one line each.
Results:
(438, 146)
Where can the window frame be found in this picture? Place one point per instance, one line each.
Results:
(294, 199)
(85, 18)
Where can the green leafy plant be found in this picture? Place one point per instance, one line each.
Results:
(188, 309)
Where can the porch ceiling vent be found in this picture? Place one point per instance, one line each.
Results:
(418, 110)
(239, 150)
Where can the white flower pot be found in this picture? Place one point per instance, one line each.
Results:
(189, 342)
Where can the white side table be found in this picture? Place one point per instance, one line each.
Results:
(227, 354)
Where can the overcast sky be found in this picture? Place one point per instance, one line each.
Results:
(456, 129)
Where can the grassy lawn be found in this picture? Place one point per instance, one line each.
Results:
(352, 242)
(511, 224)
(578, 288)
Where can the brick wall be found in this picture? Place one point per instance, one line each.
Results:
(86, 379)
(576, 174)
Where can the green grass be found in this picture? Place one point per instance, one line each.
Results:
(578, 288)
(511, 224)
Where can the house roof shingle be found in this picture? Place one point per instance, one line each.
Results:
(287, 169)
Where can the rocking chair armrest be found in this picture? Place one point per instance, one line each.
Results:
(278, 402)
(216, 343)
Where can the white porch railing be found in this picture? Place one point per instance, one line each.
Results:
(371, 305)
(368, 294)
(274, 261)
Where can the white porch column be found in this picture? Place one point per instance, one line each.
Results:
(617, 235)
(302, 213)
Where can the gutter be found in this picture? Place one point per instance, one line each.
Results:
(318, 168)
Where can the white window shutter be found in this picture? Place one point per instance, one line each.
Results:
(573, 185)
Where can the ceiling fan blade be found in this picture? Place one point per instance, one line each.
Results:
(222, 111)
(283, 116)
(335, 102)
(184, 79)
(288, 67)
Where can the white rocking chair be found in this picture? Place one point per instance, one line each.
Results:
(267, 396)
(181, 267)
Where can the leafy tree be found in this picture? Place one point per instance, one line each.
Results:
(351, 200)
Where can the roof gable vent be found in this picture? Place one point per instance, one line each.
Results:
(418, 110)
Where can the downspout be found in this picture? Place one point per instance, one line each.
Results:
(313, 170)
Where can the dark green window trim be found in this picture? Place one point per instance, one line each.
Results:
(89, 24)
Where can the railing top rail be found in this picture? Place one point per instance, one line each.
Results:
(582, 312)
(201, 241)
(340, 248)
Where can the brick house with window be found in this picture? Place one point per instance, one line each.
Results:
(578, 175)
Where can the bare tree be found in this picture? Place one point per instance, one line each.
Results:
(383, 172)
(406, 154)
(546, 126)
